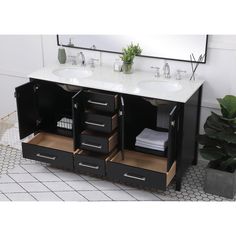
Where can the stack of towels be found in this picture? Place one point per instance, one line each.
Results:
(152, 139)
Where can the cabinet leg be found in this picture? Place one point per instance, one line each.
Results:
(195, 161)
(178, 185)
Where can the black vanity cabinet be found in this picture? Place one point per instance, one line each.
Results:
(93, 131)
(41, 106)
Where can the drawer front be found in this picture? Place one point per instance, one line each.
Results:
(98, 144)
(100, 123)
(101, 101)
(87, 163)
(55, 157)
(136, 176)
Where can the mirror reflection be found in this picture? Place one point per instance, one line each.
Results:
(173, 47)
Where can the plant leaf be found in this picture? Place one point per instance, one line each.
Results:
(212, 153)
(228, 106)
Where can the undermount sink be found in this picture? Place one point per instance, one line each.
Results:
(161, 85)
(73, 72)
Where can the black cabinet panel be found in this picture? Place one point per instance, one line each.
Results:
(102, 101)
(55, 157)
(27, 109)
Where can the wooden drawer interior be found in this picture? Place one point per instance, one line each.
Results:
(53, 141)
(146, 162)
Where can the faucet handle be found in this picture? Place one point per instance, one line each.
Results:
(179, 73)
(92, 60)
(157, 74)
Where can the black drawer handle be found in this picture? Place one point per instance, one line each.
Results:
(91, 145)
(46, 157)
(134, 177)
(94, 124)
(88, 166)
(98, 103)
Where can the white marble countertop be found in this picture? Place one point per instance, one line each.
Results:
(104, 78)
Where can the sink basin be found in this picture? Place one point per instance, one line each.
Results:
(73, 72)
(160, 85)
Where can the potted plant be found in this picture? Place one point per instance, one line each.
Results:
(128, 56)
(219, 147)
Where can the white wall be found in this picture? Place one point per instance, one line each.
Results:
(219, 71)
(19, 56)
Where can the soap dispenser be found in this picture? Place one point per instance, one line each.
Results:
(61, 55)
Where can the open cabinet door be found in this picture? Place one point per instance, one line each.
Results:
(77, 110)
(172, 141)
(27, 109)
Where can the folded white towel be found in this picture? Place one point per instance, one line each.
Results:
(153, 137)
(153, 147)
(137, 143)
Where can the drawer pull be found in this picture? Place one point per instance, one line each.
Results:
(97, 103)
(46, 157)
(134, 177)
(94, 124)
(88, 166)
(91, 145)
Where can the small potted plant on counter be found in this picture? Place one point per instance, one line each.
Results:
(128, 56)
(219, 147)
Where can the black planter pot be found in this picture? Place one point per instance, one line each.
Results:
(221, 183)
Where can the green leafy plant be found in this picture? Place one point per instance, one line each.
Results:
(219, 140)
(130, 52)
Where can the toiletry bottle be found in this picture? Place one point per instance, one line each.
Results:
(117, 65)
(61, 55)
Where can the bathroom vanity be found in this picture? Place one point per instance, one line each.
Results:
(87, 120)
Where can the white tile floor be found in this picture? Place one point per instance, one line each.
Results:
(27, 180)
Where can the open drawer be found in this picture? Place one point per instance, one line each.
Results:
(97, 142)
(91, 162)
(50, 148)
(100, 123)
(140, 169)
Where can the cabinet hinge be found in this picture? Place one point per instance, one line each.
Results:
(172, 123)
(76, 106)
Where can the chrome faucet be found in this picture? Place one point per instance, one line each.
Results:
(82, 58)
(166, 70)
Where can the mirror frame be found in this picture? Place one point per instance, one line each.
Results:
(165, 58)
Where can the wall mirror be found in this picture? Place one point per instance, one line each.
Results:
(170, 47)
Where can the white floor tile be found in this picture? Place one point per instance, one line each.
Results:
(34, 187)
(81, 185)
(46, 196)
(70, 196)
(58, 186)
(11, 188)
(6, 179)
(125, 187)
(17, 170)
(68, 176)
(3, 197)
(104, 185)
(20, 197)
(143, 195)
(119, 195)
(95, 196)
(21, 178)
(54, 169)
(46, 177)
(87, 177)
(35, 168)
